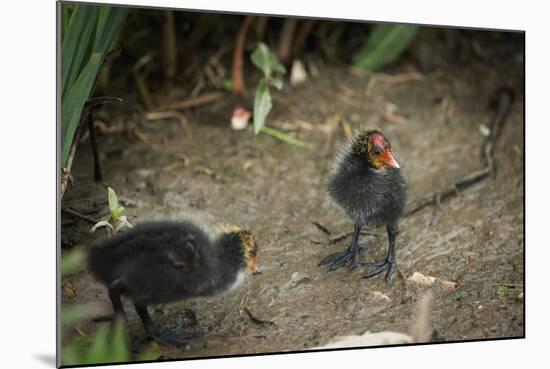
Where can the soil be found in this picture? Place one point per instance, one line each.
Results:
(475, 238)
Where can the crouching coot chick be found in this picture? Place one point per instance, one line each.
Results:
(166, 261)
(367, 184)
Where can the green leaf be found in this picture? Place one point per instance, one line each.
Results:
(71, 261)
(276, 82)
(88, 36)
(116, 210)
(286, 138)
(262, 105)
(118, 350)
(386, 42)
(99, 350)
(264, 59)
(77, 44)
(65, 18)
(109, 22)
(113, 199)
(72, 107)
(72, 314)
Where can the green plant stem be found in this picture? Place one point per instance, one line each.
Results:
(286, 138)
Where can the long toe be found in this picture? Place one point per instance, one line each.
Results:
(337, 259)
(330, 259)
(380, 267)
(374, 264)
(363, 248)
(343, 260)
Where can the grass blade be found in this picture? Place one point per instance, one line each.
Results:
(77, 44)
(286, 138)
(76, 98)
(386, 42)
(90, 34)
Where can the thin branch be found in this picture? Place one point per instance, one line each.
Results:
(93, 143)
(193, 101)
(79, 215)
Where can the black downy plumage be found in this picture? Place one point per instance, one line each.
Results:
(368, 185)
(166, 261)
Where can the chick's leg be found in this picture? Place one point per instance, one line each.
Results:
(115, 291)
(350, 255)
(389, 263)
(175, 339)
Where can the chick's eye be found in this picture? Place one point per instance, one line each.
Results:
(376, 151)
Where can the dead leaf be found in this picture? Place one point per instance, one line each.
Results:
(182, 119)
(69, 290)
(79, 331)
(428, 281)
(205, 170)
(380, 296)
(122, 223)
(101, 223)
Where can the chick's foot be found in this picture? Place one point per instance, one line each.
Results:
(343, 258)
(380, 266)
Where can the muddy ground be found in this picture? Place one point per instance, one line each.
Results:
(278, 190)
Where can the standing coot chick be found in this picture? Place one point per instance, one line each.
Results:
(166, 261)
(367, 184)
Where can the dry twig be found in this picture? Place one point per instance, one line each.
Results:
(194, 101)
(157, 115)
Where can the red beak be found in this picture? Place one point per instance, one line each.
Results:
(390, 162)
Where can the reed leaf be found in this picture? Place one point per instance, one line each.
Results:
(87, 37)
(384, 45)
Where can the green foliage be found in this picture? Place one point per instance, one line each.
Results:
(384, 45)
(264, 59)
(116, 221)
(87, 33)
(72, 314)
(262, 105)
(116, 210)
(71, 261)
(268, 63)
(105, 347)
(286, 138)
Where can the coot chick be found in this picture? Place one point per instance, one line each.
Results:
(166, 261)
(367, 184)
